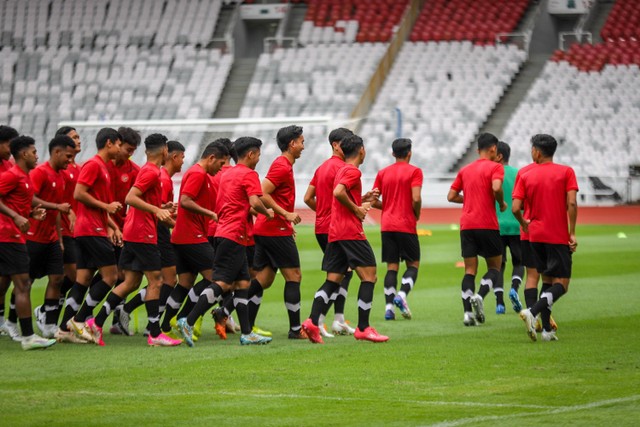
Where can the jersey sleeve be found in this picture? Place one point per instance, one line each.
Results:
(194, 184)
(38, 177)
(145, 180)
(457, 183)
(314, 180)
(497, 172)
(571, 180)
(350, 177)
(88, 174)
(518, 188)
(278, 173)
(7, 183)
(377, 183)
(251, 184)
(417, 177)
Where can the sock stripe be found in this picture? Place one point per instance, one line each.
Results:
(364, 305)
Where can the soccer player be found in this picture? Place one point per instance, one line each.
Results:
(16, 199)
(551, 191)
(510, 235)
(173, 165)
(400, 187)
(7, 133)
(95, 234)
(43, 238)
(481, 185)
(193, 252)
(242, 192)
(275, 246)
(348, 245)
(319, 197)
(140, 254)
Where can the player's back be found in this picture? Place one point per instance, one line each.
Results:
(395, 183)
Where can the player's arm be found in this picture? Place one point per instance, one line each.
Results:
(310, 197)
(259, 207)
(61, 207)
(134, 199)
(454, 196)
(516, 209)
(81, 194)
(572, 210)
(21, 222)
(269, 187)
(416, 201)
(340, 193)
(498, 194)
(186, 202)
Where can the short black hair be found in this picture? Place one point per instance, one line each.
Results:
(129, 136)
(216, 149)
(107, 134)
(229, 144)
(286, 135)
(175, 146)
(401, 147)
(155, 141)
(337, 135)
(486, 140)
(350, 146)
(7, 133)
(244, 144)
(62, 141)
(64, 130)
(21, 143)
(545, 143)
(504, 150)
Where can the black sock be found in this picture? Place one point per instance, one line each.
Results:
(489, 279)
(292, 302)
(207, 299)
(95, 279)
(503, 267)
(240, 300)
(255, 299)
(13, 315)
(499, 292)
(51, 309)
(26, 326)
(365, 299)
(321, 299)
(530, 297)
(136, 301)
(97, 292)
(165, 291)
(341, 299)
(544, 288)
(545, 318)
(227, 304)
(516, 277)
(390, 283)
(408, 280)
(468, 289)
(153, 314)
(74, 300)
(192, 297)
(548, 298)
(108, 307)
(66, 286)
(174, 303)
(2, 310)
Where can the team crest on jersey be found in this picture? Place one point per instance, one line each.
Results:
(71, 175)
(124, 178)
(53, 185)
(26, 185)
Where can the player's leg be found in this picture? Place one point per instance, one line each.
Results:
(468, 289)
(98, 292)
(5, 281)
(490, 247)
(410, 253)
(22, 290)
(292, 298)
(152, 304)
(500, 308)
(264, 278)
(390, 256)
(53, 267)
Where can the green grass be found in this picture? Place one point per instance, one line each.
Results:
(433, 370)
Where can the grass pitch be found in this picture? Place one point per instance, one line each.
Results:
(433, 370)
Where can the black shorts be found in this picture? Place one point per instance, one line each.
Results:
(95, 252)
(323, 241)
(117, 250)
(14, 259)
(275, 252)
(70, 253)
(251, 253)
(398, 246)
(44, 259)
(528, 258)
(342, 254)
(212, 242)
(515, 248)
(193, 258)
(140, 257)
(483, 242)
(167, 254)
(230, 264)
(552, 260)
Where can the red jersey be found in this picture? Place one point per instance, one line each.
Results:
(5, 165)
(479, 206)
(16, 192)
(141, 226)
(70, 177)
(345, 225)
(545, 189)
(526, 210)
(395, 183)
(239, 183)
(323, 180)
(191, 228)
(167, 186)
(48, 185)
(122, 179)
(95, 176)
(215, 182)
(281, 175)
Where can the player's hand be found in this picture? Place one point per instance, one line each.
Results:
(39, 213)
(371, 196)
(293, 218)
(214, 216)
(361, 212)
(22, 223)
(573, 242)
(64, 207)
(72, 220)
(113, 207)
(525, 225)
(270, 214)
(61, 245)
(117, 238)
(503, 206)
(163, 215)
